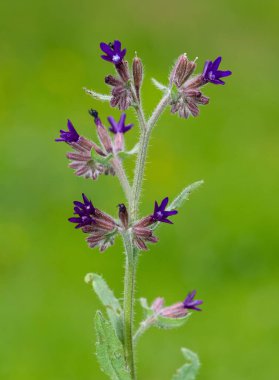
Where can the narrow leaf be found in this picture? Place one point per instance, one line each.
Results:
(189, 370)
(128, 153)
(108, 299)
(159, 85)
(184, 195)
(96, 95)
(179, 200)
(109, 350)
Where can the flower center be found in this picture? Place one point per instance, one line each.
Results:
(116, 58)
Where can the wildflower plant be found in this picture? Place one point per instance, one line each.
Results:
(116, 335)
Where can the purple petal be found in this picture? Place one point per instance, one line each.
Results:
(121, 122)
(221, 74)
(107, 58)
(106, 48)
(216, 63)
(117, 45)
(206, 67)
(127, 128)
(122, 53)
(164, 204)
(169, 213)
(114, 125)
(164, 220)
(74, 220)
(85, 199)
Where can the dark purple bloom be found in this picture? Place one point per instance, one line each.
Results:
(85, 212)
(113, 52)
(119, 127)
(68, 136)
(189, 302)
(211, 72)
(160, 214)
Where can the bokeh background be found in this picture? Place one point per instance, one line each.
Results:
(224, 242)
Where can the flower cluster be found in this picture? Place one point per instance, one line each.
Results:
(101, 227)
(178, 310)
(122, 93)
(90, 160)
(187, 95)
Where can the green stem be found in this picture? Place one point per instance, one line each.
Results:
(131, 251)
(121, 174)
(129, 288)
(143, 146)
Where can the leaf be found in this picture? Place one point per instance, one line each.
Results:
(170, 323)
(159, 85)
(189, 370)
(183, 196)
(108, 299)
(109, 350)
(134, 150)
(96, 95)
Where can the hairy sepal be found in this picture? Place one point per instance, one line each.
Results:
(170, 323)
(109, 350)
(189, 370)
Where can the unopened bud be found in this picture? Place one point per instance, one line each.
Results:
(137, 74)
(112, 81)
(102, 132)
(123, 215)
(183, 68)
(123, 70)
(175, 311)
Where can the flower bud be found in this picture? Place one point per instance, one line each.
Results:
(112, 81)
(137, 75)
(123, 70)
(102, 132)
(181, 71)
(123, 215)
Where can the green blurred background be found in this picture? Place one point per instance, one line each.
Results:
(225, 240)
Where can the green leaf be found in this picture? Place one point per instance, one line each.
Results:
(181, 198)
(170, 323)
(109, 350)
(106, 296)
(159, 85)
(98, 96)
(128, 153)
(184, 195)
(189, 370)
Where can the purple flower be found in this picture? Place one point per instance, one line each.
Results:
(211, 72)
(160, 214)
(85, 212)
(113, 52)
(68, 136)
(189, 302)
(119, 127)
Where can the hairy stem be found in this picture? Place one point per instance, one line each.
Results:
(133, 199)
(129, 287)
(121, 174)
(143, 146)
